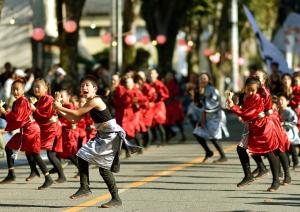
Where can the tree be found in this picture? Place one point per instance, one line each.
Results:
(164, 17)
(68, 41)
(1, 6)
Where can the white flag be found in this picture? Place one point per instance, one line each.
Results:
(268, 51)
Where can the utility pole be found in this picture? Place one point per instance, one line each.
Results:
(116, 54)
(234, 45)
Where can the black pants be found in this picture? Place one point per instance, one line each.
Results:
(107, 176)
(272, 158)
(56, 163)
(33, 156)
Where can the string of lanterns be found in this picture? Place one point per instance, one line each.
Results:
(38, 34)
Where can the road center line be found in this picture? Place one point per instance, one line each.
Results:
(142, 182)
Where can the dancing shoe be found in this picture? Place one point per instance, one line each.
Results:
(8, 179)
(287, 180)
(31, 176)
(207, 155)
(261, 173)
(61, 179)
(113, 203)
(81, 192)
(246, 181)
(274, 186)
(221, 160)
(48, 182)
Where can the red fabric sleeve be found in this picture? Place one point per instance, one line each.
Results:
(149, 92)
(251, 108)
(19, 115)
(44, 109)
(162, 91)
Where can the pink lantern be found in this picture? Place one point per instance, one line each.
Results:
(161, 39)
(146, 40)
(215, 58)
(241, 61)
(106, 38)
(38, 34)
(207, 52)
(70, 26)
(130, 39)
(182, 42)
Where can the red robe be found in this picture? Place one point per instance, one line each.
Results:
(148, 111)
(49, 129)
(131, 120)
(118, 104)
(284, 144)
(19, 118)
(162, 94)
(173, 105)
(90, 129)
(69, 135)
(262, 136)
(295, 103)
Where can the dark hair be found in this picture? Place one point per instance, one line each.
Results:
(90, 78)
(137, 78)
(286, 74)
(263, 72)
(253, 80)
(19, 80)
(208, 76)
(45, 83)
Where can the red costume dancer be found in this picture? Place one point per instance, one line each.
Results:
(69, 132)
(148, 110)
(162, 94)
(175, 115)
(260, 140)
(132, 120)
(273, 115)
(46, 117)
(295, 102)
(28, 139)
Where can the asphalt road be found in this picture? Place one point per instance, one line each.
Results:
(169, 178)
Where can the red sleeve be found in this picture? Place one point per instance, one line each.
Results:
(126, 100)
(149, 92)
(44, 109)
(295, 101)
(88, 119)
(118, 95)
(163, 92)
(19, 115)
(142, 100)
(267, 98)
(63, 120)
(249, 111)
(173, 89)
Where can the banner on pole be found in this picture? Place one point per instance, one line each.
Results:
(268, 51)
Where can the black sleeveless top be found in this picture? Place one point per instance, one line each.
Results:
(100, 116)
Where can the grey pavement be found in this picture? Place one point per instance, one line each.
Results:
(161, 179)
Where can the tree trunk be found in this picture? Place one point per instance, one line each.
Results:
(128, 17)
(68, 41)
(1, 6)
(164, 17)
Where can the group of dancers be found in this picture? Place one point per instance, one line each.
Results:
(85, 131)
(272, 128)
(93, 129)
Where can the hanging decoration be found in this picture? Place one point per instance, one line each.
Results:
(161, 39)
(130, 39)
(38, 34)
(70, 26)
